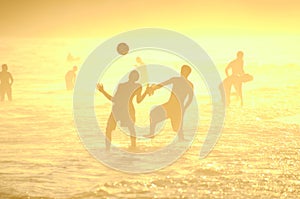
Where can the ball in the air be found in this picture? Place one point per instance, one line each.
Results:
(122, 48)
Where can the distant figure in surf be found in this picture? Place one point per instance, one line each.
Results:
(236, 79)
(142, 69)
(71, 58)
(123, 108)
(6, 81)
(180, 99)
(70, 78)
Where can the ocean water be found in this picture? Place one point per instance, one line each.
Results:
(42, 156)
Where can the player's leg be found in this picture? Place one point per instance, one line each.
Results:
(238, 88)
(131, 127)
(8, 92)
(158, 114)
(177, 124)
(227, 84)
(2, 94)
(222, 93)
(132, 136)
(69, 84)
(241, 93)
(111, 125)
(180, 133)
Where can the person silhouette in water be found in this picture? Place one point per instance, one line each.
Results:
(180, 99)
(70, 78)
(123, 108)
(236, 78)
(6, 81)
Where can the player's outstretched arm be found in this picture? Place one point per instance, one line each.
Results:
(162, 84)
(101, 89)
(139, 96)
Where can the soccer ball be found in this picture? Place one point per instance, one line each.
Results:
(122, 48)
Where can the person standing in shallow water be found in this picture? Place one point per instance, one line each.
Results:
(180, 99)
(70, 78)
(6, 81)
(122, 108)
(237, 72)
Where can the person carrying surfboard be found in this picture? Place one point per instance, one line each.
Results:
(236, 78)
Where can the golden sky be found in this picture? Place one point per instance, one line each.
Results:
(101, 18)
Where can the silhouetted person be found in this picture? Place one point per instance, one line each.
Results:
(142, 69)
(70, 78)
(237, 71)
(139, 61)
(6, 81)
(71, 58)
(181, 97)
(122, 107)
(236, 79)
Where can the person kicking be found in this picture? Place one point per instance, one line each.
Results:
(180, 98)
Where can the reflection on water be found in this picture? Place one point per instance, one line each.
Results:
(42, 156)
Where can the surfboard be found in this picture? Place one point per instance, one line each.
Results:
(246, 78)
